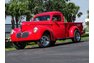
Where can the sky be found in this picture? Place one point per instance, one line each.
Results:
(84, 6)
(6, 1)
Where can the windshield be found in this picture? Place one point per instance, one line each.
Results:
(42, 18)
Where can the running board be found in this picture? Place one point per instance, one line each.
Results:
(64, 38)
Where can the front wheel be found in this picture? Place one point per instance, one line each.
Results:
(19, 45)
(44, 41)
(53, 43)
(77, 36)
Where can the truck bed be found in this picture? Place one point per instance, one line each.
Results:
(68, 25)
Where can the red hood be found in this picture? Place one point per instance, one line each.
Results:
(30, 25)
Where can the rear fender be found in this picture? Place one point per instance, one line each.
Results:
(71, 31)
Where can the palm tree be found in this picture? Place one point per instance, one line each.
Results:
(8, 12)
(69, 9)
(16, 8)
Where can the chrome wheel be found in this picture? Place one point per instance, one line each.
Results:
(77, 36)
(44, 41)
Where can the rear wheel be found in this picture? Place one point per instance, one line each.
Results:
(19, 45)
(77, 36)
(44, 41)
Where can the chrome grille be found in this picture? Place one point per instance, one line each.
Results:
(25, 34)
(18, 35)
(22, 35)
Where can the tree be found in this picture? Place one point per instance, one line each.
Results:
(16, 8)
(87, 13)
(87, 23)
(69, 9)
(8, 12)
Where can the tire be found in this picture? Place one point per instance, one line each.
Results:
(53, 43)
(19, 45)
(77, 36)
(44, 41)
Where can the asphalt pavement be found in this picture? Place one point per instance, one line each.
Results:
(60, 53)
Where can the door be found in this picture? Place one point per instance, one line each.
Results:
(58, 27)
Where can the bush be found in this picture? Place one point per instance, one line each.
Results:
(85, 35)
(8, 45)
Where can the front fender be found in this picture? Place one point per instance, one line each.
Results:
(13, 33)
(32, 35)
(15, 30)
(43, 29)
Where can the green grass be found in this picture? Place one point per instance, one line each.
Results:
(10, 47)
(69, 40)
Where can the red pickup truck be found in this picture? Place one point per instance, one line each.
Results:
(44, 29)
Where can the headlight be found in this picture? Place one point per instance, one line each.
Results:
(12, 31)
(35, 29)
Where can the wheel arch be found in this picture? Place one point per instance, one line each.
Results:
(50, 33)
(72, 30)
(47, 30)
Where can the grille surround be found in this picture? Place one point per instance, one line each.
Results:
(22, 34)
(18, 35)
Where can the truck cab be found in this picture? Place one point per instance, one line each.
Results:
(44, 29)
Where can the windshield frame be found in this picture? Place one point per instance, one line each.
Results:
(40, 16)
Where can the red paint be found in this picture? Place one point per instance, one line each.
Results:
(57, 29)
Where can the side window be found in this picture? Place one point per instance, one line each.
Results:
(56, 18)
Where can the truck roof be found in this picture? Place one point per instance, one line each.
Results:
(47, 13)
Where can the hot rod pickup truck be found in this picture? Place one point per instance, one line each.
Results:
(44, 29)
